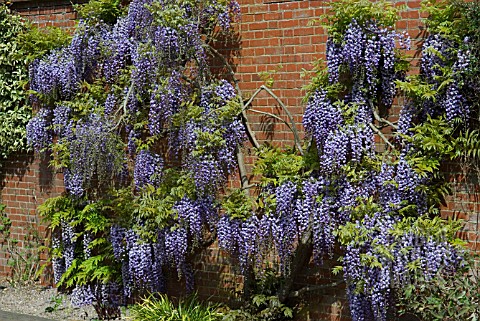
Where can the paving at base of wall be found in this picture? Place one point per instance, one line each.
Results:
(10, 316)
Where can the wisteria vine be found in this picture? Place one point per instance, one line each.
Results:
(133, 106)
(371, 198)
(147, 137)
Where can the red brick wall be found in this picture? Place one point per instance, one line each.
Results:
(46, 13)
(464, 201)
(276, 36)
(273, 36)
(26, 182)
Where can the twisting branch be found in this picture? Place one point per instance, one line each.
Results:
(246, 187)
(259, 90)
(380, 119)
(300, 259)
(314, 288)
(242, 170)
(293, 128)
(250, 133)
(382, 136)
(125, 102)
(383, 120)
(272, 115)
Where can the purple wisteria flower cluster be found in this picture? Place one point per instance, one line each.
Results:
(93, 155)
(59, 74)
(377, 262)
(438, 52)
(148, 169)
(143, 262)
(212, 140)
(410, 251)
(39, 134)
(366, 55)
(130, 106)
(161, 57)
(376, 206)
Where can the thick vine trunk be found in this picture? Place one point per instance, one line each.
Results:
(300, 259)
(248, 283)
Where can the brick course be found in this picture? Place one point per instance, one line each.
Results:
(47, 13)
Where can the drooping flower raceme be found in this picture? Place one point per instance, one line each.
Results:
(134, 105)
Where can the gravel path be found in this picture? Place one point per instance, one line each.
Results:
(37, 301)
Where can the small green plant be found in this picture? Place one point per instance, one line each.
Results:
(262, 308)
(155, 308)
(100, 10)
(24, 261)
(36, 42)
(56, 302)
(264, 303)
(447, 297)
(5, 224)
(267, 76)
